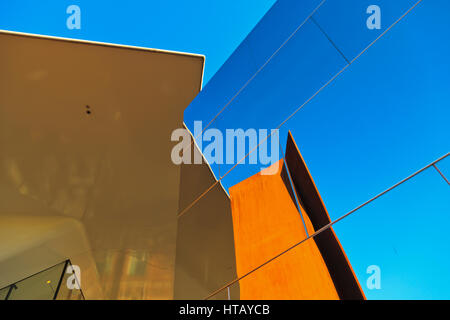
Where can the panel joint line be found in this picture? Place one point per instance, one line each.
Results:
(296, 196)
(442, 175)
(329, 39)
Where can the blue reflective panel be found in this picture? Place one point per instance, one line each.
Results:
(405, 235)
(301, 68)
(265, 155)
(270, 33)
(444, 168)
(385, 117)
(347, 22)
(380, 120)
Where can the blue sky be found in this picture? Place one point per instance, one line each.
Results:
(383, 118)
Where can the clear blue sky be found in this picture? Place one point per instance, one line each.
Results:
(385, 117)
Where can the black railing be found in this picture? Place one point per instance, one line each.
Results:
(58, 282)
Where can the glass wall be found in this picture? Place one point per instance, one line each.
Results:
(58, 282)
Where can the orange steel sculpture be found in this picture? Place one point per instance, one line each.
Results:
(267, 221)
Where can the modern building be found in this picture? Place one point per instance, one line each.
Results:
(93, 207)
(87, 178)
(256, 243)
(85, 170)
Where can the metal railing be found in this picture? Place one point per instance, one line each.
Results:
(58, 282)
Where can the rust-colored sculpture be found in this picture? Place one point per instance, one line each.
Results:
(267, 222)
